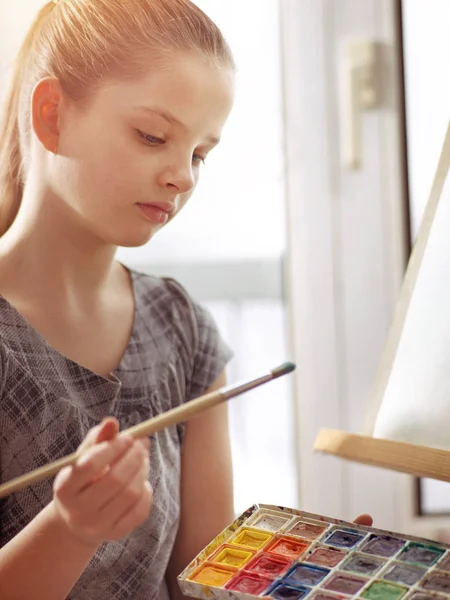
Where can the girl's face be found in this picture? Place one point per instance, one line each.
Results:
(128, 161)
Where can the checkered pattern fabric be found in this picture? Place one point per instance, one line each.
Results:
(48, 403)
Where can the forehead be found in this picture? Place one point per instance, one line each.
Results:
(195, 90)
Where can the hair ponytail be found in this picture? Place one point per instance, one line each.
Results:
(11, 158)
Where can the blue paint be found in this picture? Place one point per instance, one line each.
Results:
(344, 538)
(305, 574)
(282, 591)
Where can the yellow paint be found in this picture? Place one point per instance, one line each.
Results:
(213, 575)
(234, 557)
(252, 538)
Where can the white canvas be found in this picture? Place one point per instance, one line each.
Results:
(415, 405)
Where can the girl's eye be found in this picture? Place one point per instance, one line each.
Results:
(151, 139)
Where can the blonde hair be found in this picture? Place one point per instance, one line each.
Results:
(81, 43)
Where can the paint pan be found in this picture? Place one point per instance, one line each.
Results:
(283, 591)
(268, 565)
(249, 583)
(251, 538)
(306, 529)
(344, 583)
(326, 557)
(363, 564)
(287, 547)
(269, 520)
(231, 556)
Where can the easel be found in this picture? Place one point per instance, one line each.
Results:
(402, 456)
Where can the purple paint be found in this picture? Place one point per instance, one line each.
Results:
(363, 564)
(345, 584)
(327, 557)
(401, 573)
(287, 592)
(382, 545)
(305, 574)
(421, 554)
(438, 581)
(344, 538)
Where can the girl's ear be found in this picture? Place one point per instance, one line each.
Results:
(46, 101)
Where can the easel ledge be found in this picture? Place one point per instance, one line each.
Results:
(420, 461)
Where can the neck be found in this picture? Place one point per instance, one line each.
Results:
(50, 252)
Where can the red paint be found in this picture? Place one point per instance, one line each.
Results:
(249, 583)
(307, 530)
(268, 565)
(287, 547)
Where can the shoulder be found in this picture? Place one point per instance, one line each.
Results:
(166, 299)
(204, 351)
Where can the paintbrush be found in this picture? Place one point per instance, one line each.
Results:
(177, 415)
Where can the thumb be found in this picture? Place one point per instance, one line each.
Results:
(364, 520)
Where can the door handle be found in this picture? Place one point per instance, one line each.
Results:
(360, 93)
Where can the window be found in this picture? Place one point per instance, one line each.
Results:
(227, 248)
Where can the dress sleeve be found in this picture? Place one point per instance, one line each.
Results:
(211, 353)
(202, 352)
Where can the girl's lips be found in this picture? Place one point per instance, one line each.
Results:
(155, 213)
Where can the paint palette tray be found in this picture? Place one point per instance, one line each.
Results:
(280, 553)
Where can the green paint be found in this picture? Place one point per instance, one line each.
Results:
(383, 591)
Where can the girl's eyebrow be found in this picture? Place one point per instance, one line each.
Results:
(170, 118)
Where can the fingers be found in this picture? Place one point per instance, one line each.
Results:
(128, 497)
(106, 493)
(90, 466)
(118, 477)
(136, 515)
(364, 520)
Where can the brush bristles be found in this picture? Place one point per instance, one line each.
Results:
(283, 369)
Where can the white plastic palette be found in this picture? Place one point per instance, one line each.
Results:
(280, 553)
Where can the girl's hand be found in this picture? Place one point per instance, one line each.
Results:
(107, 493)
(364, 520)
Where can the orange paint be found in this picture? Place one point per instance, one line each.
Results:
(287, 547)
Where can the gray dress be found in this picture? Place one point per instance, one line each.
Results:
(48, 403)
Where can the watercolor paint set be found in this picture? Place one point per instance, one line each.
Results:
(275, 552)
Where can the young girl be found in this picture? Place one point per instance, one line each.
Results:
(114, 106)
